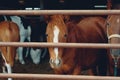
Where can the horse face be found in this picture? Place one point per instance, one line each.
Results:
(113, 31)
(56, 32)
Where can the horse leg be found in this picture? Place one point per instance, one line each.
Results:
(9, 70)
(44, 52)
(4, 70)
(3, 63)
(27, 52)
(6, 64)
(35, 55)
(20, 55)
(29, 39)
(20, 51)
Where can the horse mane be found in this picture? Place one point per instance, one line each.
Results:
(76, 19)
(25, 22)
(78, 31)
(73, 31)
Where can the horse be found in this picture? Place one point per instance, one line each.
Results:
(113, 31)
(9, 32)
(25, 32)
(37, 27)
(75, 60)
(113, 34)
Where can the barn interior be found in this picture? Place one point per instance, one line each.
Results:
(43, 66)
(53, 4)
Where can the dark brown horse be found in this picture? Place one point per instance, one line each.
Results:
(75, 60)
(113, 32)
(9, 32)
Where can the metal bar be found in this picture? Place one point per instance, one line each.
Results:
(51, 12)
(65, 45)
(56, 77)
(77, 45)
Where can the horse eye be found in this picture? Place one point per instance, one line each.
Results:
(46, 35)
(65, 35)
(108, 24)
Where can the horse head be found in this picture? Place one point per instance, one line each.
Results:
(113, 33)
(113, 27)
(56, 32)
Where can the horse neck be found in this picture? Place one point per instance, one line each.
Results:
(73, 32)
(69, 53)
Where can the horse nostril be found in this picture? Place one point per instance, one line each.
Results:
(55, 63)
(115, 51)
(51, 61)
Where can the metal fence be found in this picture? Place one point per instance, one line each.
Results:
(80, 45)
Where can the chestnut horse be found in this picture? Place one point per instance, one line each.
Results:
(75, 60)
(9, 32)
(113, 33)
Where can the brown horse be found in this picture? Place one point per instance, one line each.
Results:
(9, 32)
(75, 60)
(113, 32)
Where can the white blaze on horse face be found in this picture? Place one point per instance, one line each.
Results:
(56, 33)
(55, 40)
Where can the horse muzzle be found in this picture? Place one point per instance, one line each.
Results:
(55, 63)
(115, 51)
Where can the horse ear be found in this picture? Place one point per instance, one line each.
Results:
(109, 4)
(66, 18)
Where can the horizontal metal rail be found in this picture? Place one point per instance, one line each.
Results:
(57, 77)
(65, 45)
(51, 12)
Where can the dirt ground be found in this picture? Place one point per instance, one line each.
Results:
(30, 68)
(42, 68)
